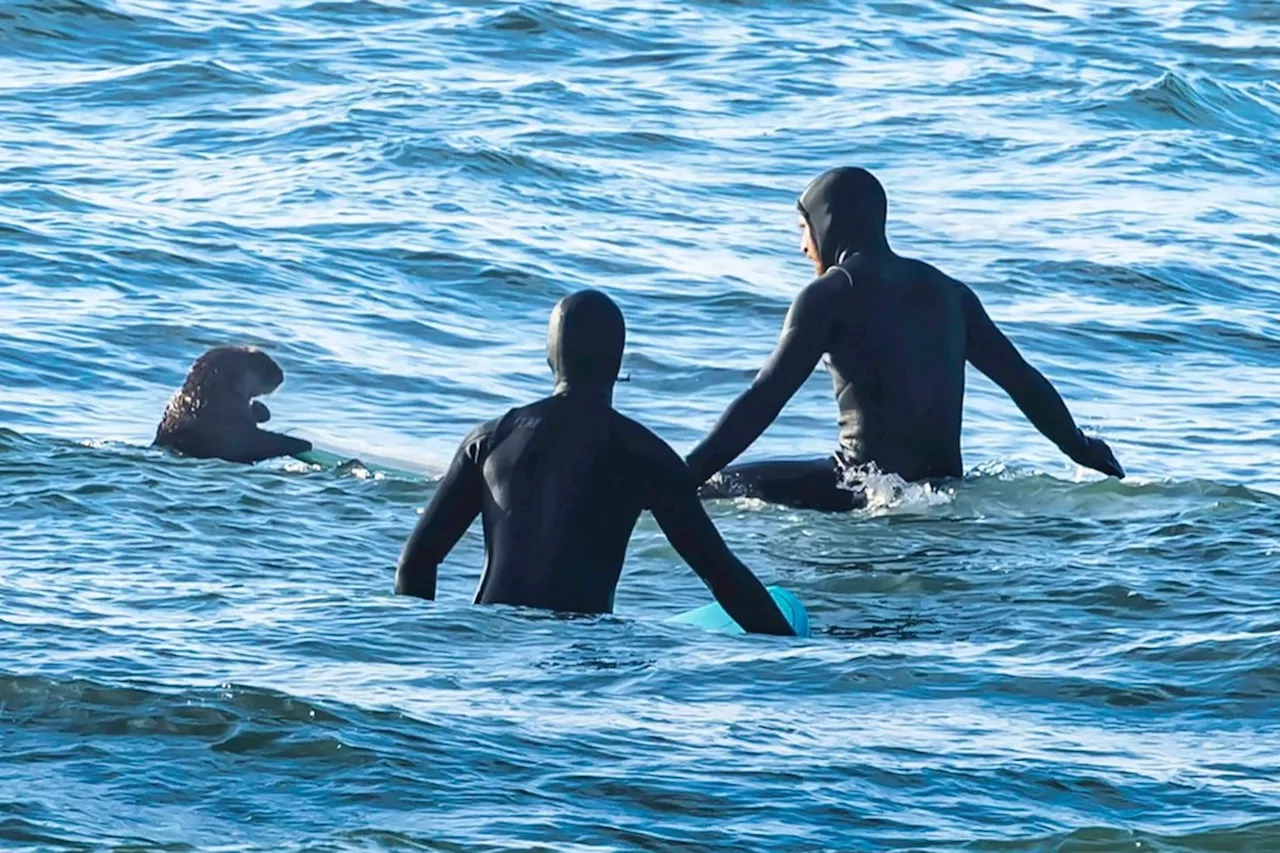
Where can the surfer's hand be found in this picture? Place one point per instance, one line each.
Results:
(1096, 455)
(261, 414)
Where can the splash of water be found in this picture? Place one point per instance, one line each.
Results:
(889, 492)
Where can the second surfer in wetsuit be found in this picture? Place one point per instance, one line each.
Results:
(560, 484)
(896, 334)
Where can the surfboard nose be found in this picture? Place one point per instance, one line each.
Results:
(712, 617)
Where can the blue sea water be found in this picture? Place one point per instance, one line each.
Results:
(389, 196)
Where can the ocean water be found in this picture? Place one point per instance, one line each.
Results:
(389, 197)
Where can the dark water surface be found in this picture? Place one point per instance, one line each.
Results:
(389, 197)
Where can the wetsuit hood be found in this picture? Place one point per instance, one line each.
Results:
(584, 341)
(845, 209)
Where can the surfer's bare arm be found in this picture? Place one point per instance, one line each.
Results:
(675, 506)
(453, 507)
(991, 352)
(805, 334)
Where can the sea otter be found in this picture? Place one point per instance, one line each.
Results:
(214, 415)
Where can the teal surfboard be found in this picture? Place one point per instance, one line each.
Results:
(323, 458)
(330, 461)
(711, 617)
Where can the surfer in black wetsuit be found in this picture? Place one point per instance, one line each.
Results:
(896, 334)
(560, 485)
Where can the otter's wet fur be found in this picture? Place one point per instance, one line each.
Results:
(214, 415)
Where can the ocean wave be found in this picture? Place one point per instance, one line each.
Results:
(354, 12)
(21, 11)
(1230, 835)
(83, 705)
(478, 158)
(85, 32)
(389, 197)
(560, 19)
(1175, 101)
(174, 80)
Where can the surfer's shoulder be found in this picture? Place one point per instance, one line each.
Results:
(643, 443)
(477, 443)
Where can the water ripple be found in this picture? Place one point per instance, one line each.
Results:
(389, 196)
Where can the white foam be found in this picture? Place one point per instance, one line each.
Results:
(889, 492)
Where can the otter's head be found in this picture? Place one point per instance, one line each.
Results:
(246, 372)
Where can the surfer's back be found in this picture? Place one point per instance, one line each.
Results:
(565, 480)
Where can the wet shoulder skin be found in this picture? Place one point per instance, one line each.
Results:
(559, 485)
(896, 333)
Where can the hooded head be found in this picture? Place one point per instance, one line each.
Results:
(844, 210)
(584, 341)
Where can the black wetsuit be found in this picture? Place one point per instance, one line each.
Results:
(559, 485)
(896, 334)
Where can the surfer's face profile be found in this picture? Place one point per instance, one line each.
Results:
(806, 244)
